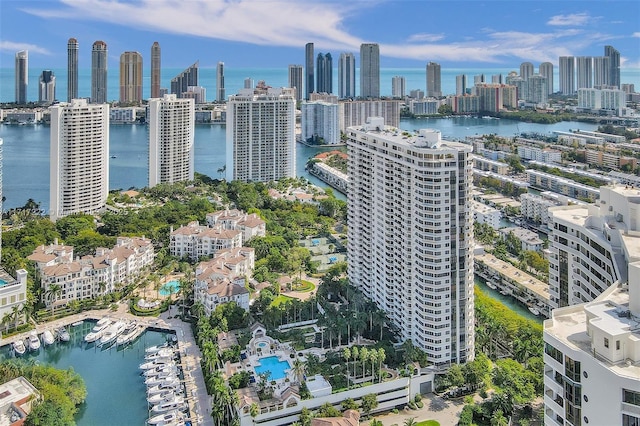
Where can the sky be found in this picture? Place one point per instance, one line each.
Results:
(272, 33)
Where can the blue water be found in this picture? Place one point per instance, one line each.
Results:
(171, 287)
(274, 366)
(116, 393)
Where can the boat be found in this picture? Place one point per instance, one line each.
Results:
(98, 330)
(62, 334)
(127, 333)
(172, 384)
(534, 311)
(161, 372)
(154, 380)
(158, 362)
(19, 347)
(175, 403)
(505, 292)
(155, 349)
(166, 395)
(112, 332)
(168, 418)
(34, 342)
(114, 156)
(47, 338)
(162, 353)
(77, 323)
(491, 285)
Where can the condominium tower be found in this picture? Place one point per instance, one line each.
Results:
(434, 85)
(295, 80)
(398, 86)
(22, 76)
(221, 95)
(261, 136)
(324, 74)
(461, 84)
(546, 70)
(47, 87)
(156, 70)
(130, 77)
(526, 70)
(614, 63)
(99, 72)
(189, 77)
(584, 72)
(309, 81)
(171, 133)
(369, 70)
(566, 73)
(347, 76)
(72, 69)
(79, 158)
(411, 234)
(601, 69)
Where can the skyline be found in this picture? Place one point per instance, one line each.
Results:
(417, 32)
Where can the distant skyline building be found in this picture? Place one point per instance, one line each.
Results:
(47, 87)
(189, 77)
(614, 63)
(319, 123)
(434, 82)
(347, 76)
(461, 84)
(584, 72)
(309, 82)
(526, 70)
(156, 70)
(398, 87)
(99, 61)
(72, 69)
(601, 69)
(546, 70)
(537, 90)
(79, 158)
(566, 74)
(22, 76)
(221, 94)
(324, 73)
(130, 77)
(261, 145)
(370, 70)
(248, 83)
(496, 79)
(295, 80)
(171, 135)
(478, 79)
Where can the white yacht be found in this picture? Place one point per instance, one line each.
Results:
(157, 398)
(170, 384)
(62, 334)
(158, 362)
(34, 342)
(111, 333)
(19, 347)
(47, 338)
(155, 349)
(175, 403)
(168, 418)
(161, 354)
(98, 330)
(161, 372)
(154, 381)
(127, 333)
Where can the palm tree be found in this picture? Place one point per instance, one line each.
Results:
(355, 354)
(411, 421)
(15, 314)
(6, 320)
(364, 357)
(346, 353)
(299, 370)
(381, 357)
(375, 422)
(373, 357)
(54, 291)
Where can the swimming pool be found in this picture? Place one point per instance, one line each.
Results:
(171, 287)
(262, 344)
(276, 367)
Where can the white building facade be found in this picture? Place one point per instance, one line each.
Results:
(320, 124)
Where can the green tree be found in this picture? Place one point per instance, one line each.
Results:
(445, 109)
(369, 403)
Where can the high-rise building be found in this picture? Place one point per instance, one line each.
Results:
(324, 74)
(171, 133)
(356, 112)
(319, 123)
(295, 80)
(614, 63)
(22, 76)
(189, 77)
(47, 87)
(99, 72)
(477, 79)
(566, 74)
(261, 143)
(601, 70)
(461, 84)
(156, 70)
(248, 83)
(411, 235)
(537, 91)
(347, 76)
(221, 94)
(130, 77)
(546, 70)
(79, 158)
(308, 70)
(72, 69)
(584, 72)
(369, 70)
(398, 86)
(434, 85)
(526, 70)
(496, 79)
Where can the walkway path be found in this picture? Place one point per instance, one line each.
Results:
(447, 413)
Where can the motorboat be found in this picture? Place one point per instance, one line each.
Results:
(172, 384)
(34, 342)
(155, 349)
(161, 372)
(158, 362)
(491, 285)
(162, 353)
(62, 334)
(111, 333)
(157, 398)
(175, 403)
(127, 333)
(168, 418)
(154, 380)
(534, 311)
(98, 330)
(19, 347)
(47, 338)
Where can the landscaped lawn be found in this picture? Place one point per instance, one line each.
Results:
(428, 423)
(281, 299)
(305, 286)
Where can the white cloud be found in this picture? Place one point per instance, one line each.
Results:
(573, 19)
(12, 46)
(424, 37)
(636, 34)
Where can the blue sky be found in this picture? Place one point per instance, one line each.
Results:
(272, 33)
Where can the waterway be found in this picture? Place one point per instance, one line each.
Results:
(507, 301)
(116, 393)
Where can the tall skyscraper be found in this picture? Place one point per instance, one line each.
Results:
(156, 70)
(369, 70)
(347, 76)
(537, 91)
(79, 158)
(308, 70)
(130, 77)
(461, 84)
(496, 79)
(410, 249)
(324, 75)
(526, 70)
(601, 69)
(47, 87)
(295, 80)
(434, 85)
(261, 136)
(248, 83)
(221, 95)
(171, 133)
(478, 79)
(22, 76)
(566, 74)
(99, 72)
(584, 72)
(614, 63)
(189, 77)
(546, 70)
(72, 69)
(398, 86)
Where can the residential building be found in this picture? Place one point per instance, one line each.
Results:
(79, 158)
(369, 70)
(13, 294)
(398, 87)
(248, 83)
(584, 72)
(536, 207)
(546, 70)
(549, 182)
(131, 77)
(47, 87)
(156, 69)
(295, 80)
(411, 235)
(601, 70)
(546, 155)
(602, 99)
(20, 396)
(347, 76)
(428, 106)
(567, 75)
(491, 96)
(416, 94)
(478, 79)
(486, 214)
(195, 240)
(614, 62)
(529, 240)
(22, 76)
(197, 93)
(250, 225)
(126, 114)
(189, 77)
(320, 123)
(72, 69)
(526, 70)
(355, 113)
(324, 97)
(99, 72)
(537, 90)
(324, 74)
(498, 167)
(171, 134)
(310, 80)
(465, 104)
(220, 90)
(461, 85)
(434, 84)
(496, 79)
(261, 136)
